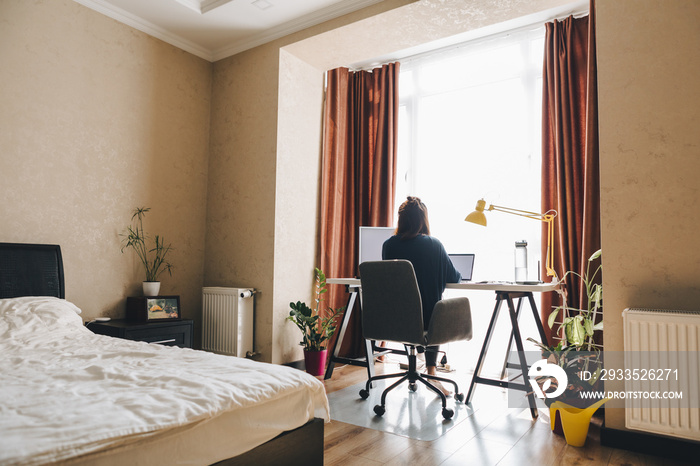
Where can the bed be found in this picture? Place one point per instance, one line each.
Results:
(70, 396)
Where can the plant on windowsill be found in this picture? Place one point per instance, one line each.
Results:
(153, 259)
(315, 329)
(579, 356)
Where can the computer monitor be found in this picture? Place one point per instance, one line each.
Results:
(371, 242)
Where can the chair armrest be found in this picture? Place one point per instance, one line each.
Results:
(451, 321)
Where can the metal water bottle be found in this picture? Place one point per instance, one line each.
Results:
(520, 261)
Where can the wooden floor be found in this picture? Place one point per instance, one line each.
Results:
(497, 438)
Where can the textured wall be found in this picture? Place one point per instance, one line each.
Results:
(96, 119)
(241, 197)
(649, 94)
(297, 200)
(422, 26)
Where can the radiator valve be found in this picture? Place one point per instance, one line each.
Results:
(248, 293)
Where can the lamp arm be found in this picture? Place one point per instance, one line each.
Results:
(549, 258)
(548, 218)
(545, 217)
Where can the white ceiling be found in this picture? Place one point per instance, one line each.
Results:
(216, 29)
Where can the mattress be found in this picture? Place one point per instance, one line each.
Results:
(66, 393)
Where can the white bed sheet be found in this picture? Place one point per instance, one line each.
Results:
(66, 392)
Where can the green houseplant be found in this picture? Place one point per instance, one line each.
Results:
(153, 258)
(577, 353)
(579, 325)
(316, 329)
(577, 349)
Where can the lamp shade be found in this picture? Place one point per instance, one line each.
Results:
(478, 215)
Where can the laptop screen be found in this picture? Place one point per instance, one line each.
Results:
(464, 263)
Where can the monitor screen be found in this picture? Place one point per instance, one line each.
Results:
(371, 241)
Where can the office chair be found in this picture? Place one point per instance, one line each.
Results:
(392, 311)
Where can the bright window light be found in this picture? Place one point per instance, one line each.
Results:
(470, 128)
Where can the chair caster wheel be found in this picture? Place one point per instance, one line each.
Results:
(364, 394)
(379, 410)
(459, 397)
(413, 387)
(446, 413)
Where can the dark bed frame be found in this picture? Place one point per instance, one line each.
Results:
(31, 270)
(37, 270)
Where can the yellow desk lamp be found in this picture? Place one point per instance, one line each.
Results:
(479, 218)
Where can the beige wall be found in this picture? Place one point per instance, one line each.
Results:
(241, 197)
(96, 119)
(296, 204)
(649, 93)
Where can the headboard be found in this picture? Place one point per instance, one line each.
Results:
(31, 270)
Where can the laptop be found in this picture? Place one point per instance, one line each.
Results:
(464, 263)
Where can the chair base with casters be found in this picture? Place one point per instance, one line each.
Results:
(412, 376)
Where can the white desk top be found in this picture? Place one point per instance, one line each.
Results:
(490, 286)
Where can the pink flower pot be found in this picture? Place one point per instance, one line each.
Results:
(315, 361)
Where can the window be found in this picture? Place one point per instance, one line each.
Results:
(469, 128)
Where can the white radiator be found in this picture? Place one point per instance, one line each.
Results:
(665, 340)
(227, 320)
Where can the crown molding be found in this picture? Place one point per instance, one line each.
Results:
(147, 27)
(318, 17)
(313, 19)
(202, 6)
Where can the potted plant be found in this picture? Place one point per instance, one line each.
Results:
(579, 328)
(153, 259)
(577, 348)
(315, 328)
(577, 354)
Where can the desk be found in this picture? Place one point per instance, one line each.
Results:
(508, 292)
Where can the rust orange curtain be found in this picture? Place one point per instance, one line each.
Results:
(570, 167)
(358, 174)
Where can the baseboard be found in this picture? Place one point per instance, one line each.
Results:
(650, 444)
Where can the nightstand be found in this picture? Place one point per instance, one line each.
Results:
(171, 333)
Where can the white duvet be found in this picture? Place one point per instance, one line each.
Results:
(65, 391)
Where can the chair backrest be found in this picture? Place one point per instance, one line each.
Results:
(391, 302)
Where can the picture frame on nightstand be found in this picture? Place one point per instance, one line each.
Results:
(153, 308)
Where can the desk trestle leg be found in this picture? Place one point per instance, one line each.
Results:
(368, 359)
(515, 336)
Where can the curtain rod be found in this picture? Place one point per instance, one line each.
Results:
(536, 24)
(576, 15)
